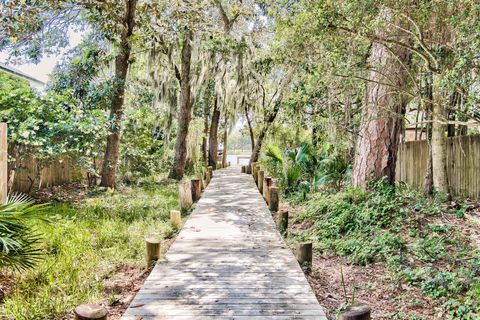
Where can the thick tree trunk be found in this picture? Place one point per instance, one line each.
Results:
(225, 137)
(213, 139)
(377, 143)
(112, 150)
(439, 148)
(185, 115)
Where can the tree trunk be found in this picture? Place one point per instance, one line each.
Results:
(205, 136)
(439, 148)
(225, 137)
(185, 115)
(112, 150)
(261, 136)
(252, 137)
(428, 98)
(213, 139)
(377, 143)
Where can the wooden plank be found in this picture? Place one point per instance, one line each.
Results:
(228, 262)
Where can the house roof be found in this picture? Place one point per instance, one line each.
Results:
(18, 73)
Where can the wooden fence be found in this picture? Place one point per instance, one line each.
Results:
(463, 164)
(28, 175)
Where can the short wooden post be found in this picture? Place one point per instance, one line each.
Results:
(260, 176)
(304, 254)
(248, 169)
(196, 190)
(242, 170)
(282, 222)
(90, 312)
(273, 203)
(252, 168)
(254, 171)
(175, 217)
(202, 182)
(152, 243)
(228, 164)
(210, 170)
(3, 163)
(185, 195)
(357, 312)
(267, 183)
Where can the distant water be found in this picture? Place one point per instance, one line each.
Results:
(232, 158)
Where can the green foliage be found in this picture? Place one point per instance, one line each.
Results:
(86, 244)
(19, 242)
(394, 225)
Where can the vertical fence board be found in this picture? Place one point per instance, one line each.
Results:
(463, 164)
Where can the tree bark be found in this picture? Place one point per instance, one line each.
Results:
(112, 150)
(205, 136)
(213, 138)
(377, 143)
(185, 115)
(428, 182)
(250, 130)
(225, 137)
(261, 136)
(439, 148)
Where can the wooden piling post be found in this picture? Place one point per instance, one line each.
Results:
(196, 190)
(90, 312)
(202, 182)
(248, 169)
(260, 176)
(185, 195)
(282, 222)
(175, 217)
(357, 312)
(3, 163)
(210, 170)
(242, 170)
(273, 199)
(267, 182)
(304, 254)
(152, 243)
(254, 172)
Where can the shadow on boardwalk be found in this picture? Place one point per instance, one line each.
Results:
(228, 262)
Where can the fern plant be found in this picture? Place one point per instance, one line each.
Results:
(19, 248)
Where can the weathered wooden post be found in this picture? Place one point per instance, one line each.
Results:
(242, 170)
(267, 183)
(257, 168)
(210, 174)
(196, 190)
(260, 176)
(273, 199)
(304, 254)
(202, 182)
(185, 195)
(357, 312)
(175, 217)
(152, 243)
(252, 168)
(90, 312)
(254, 171)
(282, 222)
(248, 169)
(206, 178)
(3, 163)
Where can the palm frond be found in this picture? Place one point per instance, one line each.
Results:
(274, 154)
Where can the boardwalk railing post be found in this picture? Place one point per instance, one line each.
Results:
(304, 254)
(273, 203)
(357, 312)
(90, 312)
(248, 169)
(257, 168)
(196, 190)
(282, 223)
(242, 170)
(254, 173)
(152, 243)
(260, 177)
(202, 182)
(267, 183)
(210, 174)
(175, 217)
(185, 195)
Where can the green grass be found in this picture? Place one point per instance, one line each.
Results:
(404, 230)
(85, 244)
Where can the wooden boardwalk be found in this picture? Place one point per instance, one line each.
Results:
(228, 262)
